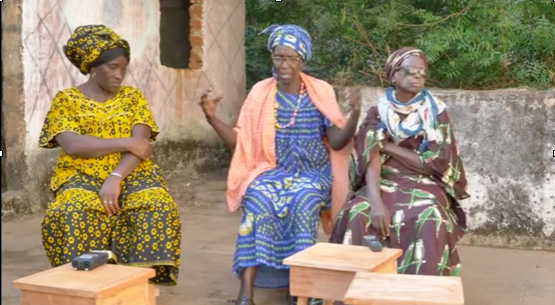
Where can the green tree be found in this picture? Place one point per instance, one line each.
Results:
(471, 44)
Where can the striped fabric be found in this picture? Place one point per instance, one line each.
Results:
(255, 149)
(289, 35)
(281, 206)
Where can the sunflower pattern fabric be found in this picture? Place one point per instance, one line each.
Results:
(89, 41)
(147, 230)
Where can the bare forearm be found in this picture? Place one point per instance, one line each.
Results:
(127, 165)
(373, 178)
(129, 162)
(90, 147)
(226, 133)
(409, 158)
(339, 138)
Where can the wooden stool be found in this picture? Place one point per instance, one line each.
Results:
(326, 270)
(106, 285)
(404, 289)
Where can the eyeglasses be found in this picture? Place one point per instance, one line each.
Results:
(413, 71)
(279, 60)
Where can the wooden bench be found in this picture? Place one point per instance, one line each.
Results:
(404, 289)
(326, 270)
(106, 285)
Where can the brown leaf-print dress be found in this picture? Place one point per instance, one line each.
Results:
(427, 219)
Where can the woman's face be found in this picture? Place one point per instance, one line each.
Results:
(287, 63)
(411, 76)
(110, 75)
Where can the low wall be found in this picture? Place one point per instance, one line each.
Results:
(506, 139)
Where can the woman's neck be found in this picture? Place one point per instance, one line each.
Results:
(403, 96)
(291, 86)
(97, 93)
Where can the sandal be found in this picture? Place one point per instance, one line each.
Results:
(291, 300)
(243, 301)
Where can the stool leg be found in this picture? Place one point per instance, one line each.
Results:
(153, 292)
(302, 301)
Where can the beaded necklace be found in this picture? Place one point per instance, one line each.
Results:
(295, 112)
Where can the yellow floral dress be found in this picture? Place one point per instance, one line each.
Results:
(147, 230)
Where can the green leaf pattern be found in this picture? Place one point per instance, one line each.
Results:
(454, 271)
(389, 186)
(359, 209)
(407, 259)
(442, 265)
(420, 210)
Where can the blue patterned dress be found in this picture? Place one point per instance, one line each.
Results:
(281, 207)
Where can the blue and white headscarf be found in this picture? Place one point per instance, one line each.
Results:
(421, 111)
(289, 35)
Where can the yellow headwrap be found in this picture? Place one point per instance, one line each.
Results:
(89, 41)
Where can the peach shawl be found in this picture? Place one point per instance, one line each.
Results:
(255, 149)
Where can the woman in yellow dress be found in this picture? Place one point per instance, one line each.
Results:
(109, 195)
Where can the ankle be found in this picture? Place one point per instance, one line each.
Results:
(245, 295)
(244, 300)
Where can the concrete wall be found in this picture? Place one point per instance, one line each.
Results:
(506, 139)
(13, 106)
(35, 69)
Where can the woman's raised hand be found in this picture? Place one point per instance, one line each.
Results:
(209, 103)
(354, 98)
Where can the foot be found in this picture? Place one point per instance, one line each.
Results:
(242, 301)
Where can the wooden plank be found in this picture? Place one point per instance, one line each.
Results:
(140, 294)
(102, 282)
(400, 289)
(152, 294)
(319, 283)
(343, 258)
(135, 295)
(41, 298)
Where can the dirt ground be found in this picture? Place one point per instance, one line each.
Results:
(490, 276)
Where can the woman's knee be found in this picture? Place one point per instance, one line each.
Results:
(74, 202)
(149, 200)
(257, 205)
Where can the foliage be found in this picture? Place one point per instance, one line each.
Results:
(470, 44)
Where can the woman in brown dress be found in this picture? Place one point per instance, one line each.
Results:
(406, 175)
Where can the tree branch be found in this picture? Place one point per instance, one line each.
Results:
(457, 14)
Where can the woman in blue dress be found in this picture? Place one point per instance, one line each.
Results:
(282, 202)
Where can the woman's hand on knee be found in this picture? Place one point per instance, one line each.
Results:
(380, 218)
(109, 194)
